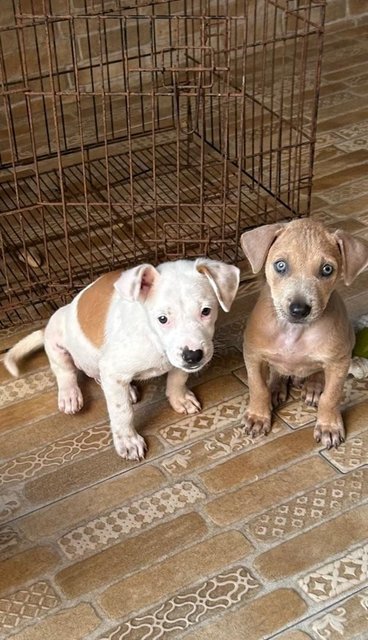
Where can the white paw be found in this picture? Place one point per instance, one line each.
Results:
(130, 447)
(187, 403)
(70, 399)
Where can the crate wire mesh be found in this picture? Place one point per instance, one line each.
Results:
(144, 131)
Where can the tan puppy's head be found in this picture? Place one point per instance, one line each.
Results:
(303, 261)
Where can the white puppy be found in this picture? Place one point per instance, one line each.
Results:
(134, 325)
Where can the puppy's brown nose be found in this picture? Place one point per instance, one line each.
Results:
(299, 310)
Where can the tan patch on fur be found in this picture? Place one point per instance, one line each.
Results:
(93, 306)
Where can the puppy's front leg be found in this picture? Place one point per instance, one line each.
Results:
(180, 397)
(128, 443)
(329, 427)
(257, 419)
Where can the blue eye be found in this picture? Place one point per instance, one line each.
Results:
(327, 270)
(162, 319)
(280, 266)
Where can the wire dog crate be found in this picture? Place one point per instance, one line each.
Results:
(147, 130)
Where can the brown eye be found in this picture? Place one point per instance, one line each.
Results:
(206, 311)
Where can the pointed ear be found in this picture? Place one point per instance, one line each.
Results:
(257, 242)
(354, 254)
(224, 279)
(137, 283)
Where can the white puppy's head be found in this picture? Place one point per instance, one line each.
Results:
(181, 301)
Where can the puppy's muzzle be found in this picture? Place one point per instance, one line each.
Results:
(299, 310)
(191, 358)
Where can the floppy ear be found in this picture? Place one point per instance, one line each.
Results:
(256, 243)
(137, 283)
(224, 279)
(354, 254)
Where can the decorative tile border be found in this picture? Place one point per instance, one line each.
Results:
(346, 192)
(9, 504)
(296, 413)
(220, 445)
(55, 454)
(26, 387)
(224, 414)
(302, 512)
(351, 454)
(347, 621)
(109, 528)
(354, 391)
(335, 578)
(9, 538)
(190, 607)
(230, 335)
(27, 604)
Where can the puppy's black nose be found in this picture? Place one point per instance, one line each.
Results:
(192, 357)
(299, 310)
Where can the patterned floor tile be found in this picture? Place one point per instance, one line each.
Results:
(56, 454)
(70, 511)
(296, 414)
(9, 538)
(23, 388)
(107, 529)
(346, 192)
(347, 620)
(351, 454)
(354, 391)
(72, 623)
(250, 465)
(131, 555)
(220, 445)
(189, 607)
(82, 473)
(230, 334)
(258, 619)
(256, 497)
(160, 581)
(9, 505)
(27, 604)
(314, 547)
(223, 415)
(335, 578)
(25, 566)
(310, 508)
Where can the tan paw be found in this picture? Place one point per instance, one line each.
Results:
(329, 435)
(256, 424)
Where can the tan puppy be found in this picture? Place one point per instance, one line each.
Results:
(299, 325)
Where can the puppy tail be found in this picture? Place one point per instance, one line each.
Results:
(25, 346)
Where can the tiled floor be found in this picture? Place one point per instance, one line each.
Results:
(213, 536)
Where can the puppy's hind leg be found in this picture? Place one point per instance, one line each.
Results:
(278, 386)
(70, 399)
(312, 388)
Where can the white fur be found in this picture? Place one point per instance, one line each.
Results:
(137, 345)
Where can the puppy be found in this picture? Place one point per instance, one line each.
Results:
(133, 325)
(299, 325)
